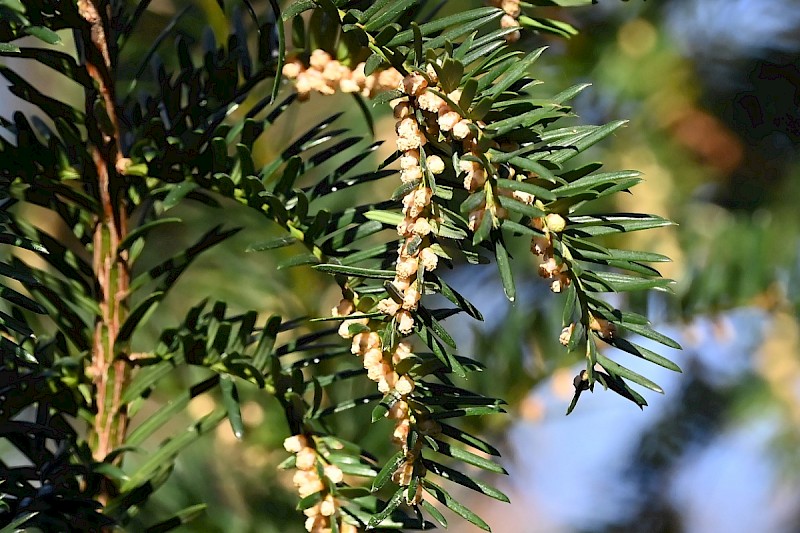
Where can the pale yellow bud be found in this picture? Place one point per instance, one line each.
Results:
(422, 227)
(358, 74)
(408, 143)
(295, 443)
(304, 477)
(373, 357)
(412, 211)
(412, 174)
(408, 199)
(378, 371)
(389, 78)
(292, 69)
(555, 222)
(348, 85)
(402, 351)
(318, 83)
(508, 22)
(422, 196)
(406, 267)
(312, 487)
(455, 96)
(319, 59)
(347, 528)
(387, 306)
(405, 322)
(428, 259)
(303, 84)
(401, 283)
(306, 459)
(311, 511)
(430, 102)
(334, 71)
(461, 130)
(404, 385)
(511, 7)
(315, 524)
(407, 127)
(466, 165)
(123, 164)
(448, 120)
(369, 86)
(364, 341)
(327, 507)
(334, 473)
(435, 164)
(386, 382)
(410, 160)
(411, 298)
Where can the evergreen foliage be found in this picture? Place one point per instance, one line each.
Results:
(147, 139)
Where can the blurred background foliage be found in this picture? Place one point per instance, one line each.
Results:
(712, 92)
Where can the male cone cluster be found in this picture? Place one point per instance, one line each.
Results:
(550, 268)
(441, 121)
(325, 75)
(421, 114)
(512, 12)
(312, 477)
(380, 368)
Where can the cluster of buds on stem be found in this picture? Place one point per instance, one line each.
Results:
(441, 121)
(510, 18)
(411, 467)
(380, 363)
(314, 476)
(326, 75)
(414, 254)
(367, 344)
(379, 366)
(550, 268)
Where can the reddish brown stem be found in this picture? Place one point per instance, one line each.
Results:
(110, 371)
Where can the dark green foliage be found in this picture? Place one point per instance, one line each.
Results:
(182, 140)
